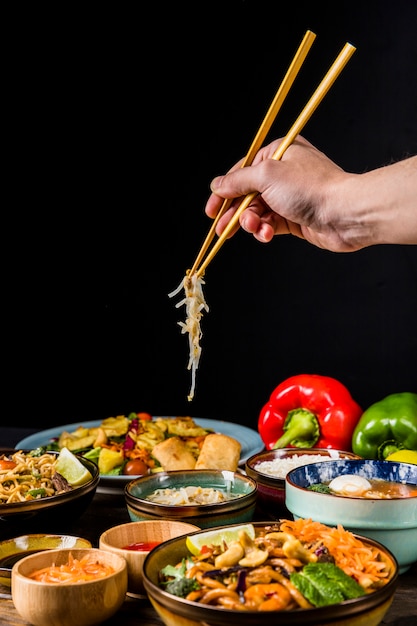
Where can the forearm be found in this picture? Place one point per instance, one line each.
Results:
(380, 206)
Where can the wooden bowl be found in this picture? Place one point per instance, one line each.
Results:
(68, 604)
(148, 533)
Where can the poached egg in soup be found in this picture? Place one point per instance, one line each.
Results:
(353, 485)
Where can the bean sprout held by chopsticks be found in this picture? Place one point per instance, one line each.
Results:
(195, 304)
(192, 283)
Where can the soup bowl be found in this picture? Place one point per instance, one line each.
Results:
(391, 521)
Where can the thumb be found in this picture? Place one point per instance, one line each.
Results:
(235, 184)
(216, 184)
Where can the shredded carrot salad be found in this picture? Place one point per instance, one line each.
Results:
(365, 563)
(74, 571)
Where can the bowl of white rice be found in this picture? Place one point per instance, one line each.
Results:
(269, 469)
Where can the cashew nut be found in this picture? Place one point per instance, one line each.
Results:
(253, 555)
(231, 556)
(292, 547)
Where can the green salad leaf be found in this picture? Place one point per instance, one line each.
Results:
(326, 583)
(178, 584)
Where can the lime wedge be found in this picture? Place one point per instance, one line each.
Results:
(216, 537)
(71, 468)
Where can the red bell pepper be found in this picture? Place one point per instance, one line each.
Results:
(309, 411)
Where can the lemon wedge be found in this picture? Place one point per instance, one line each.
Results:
(216, 537)
(403, 456)
(71, 468)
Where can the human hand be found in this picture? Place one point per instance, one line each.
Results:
(296, 195)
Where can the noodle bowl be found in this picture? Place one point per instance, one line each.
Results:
(217, 606)
(32, 493)
(27, 477)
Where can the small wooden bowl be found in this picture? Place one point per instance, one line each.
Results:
(68, 604)
(147, 532)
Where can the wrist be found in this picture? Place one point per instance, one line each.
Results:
(367, 205)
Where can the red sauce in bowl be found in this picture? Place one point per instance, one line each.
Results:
(142, 546)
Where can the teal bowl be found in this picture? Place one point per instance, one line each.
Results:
(392, 522)
(240, 492)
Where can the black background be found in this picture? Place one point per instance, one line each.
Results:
(119, 118)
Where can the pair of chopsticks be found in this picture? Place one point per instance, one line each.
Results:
(336, 68)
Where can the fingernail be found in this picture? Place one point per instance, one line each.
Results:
(216, 183)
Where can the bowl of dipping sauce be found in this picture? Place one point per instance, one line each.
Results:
(134, 540)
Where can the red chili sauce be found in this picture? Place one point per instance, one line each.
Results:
(142, 546)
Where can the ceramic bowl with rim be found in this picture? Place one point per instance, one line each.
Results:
(392, 522)
(270, 467)
(238, 491)
(30, 515)
(12, 550)
(68, 603)
(368, 609)
(134, 540)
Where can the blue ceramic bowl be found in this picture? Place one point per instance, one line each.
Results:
(392, 522)
(231, 511)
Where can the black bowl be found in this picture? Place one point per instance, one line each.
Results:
(29, 516)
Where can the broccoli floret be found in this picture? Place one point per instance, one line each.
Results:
(182, 586)
(178, 584)
(320, 488)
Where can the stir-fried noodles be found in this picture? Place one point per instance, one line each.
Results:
(25, 477)
(285, 566)
(195, 304)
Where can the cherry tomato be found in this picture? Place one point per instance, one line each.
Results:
(144, 416)
(5, 464)
(135, 467)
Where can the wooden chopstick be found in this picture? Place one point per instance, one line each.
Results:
(269, 118)
(328, 80)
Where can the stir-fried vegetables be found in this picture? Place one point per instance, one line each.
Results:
(118, 441)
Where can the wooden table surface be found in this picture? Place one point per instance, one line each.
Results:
(108, 510)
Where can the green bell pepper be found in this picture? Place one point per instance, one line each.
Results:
(387, 426)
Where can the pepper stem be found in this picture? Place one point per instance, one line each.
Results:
(389, 447)
(301, 429)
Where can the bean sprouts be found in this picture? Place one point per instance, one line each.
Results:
(195, 304)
